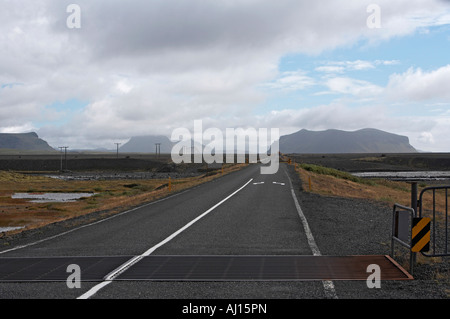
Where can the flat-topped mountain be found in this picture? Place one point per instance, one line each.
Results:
(146, 144)
(23, 142)
(337, 141)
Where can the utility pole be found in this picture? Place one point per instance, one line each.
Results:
(65, 155)
(117, 144)
(158, 149)
(61, 148)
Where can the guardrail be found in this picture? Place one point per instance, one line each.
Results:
(439, 221)
(402, 219)
(423, 227)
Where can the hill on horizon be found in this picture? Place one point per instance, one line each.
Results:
(24, 142)
(337, 141)
(146, 144)
(304, 141)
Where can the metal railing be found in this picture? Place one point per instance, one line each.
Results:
(435, 210)
(439, 221)
(402, 217)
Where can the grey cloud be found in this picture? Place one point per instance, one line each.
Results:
(184, 59)
(115, 28)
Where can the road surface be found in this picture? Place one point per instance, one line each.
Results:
(239, 214)
(244, 213)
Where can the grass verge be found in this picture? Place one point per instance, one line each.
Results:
(111, 196)
(331, 182)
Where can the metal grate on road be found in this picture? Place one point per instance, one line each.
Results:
(29, 269)
(202, 268)
(261, 268)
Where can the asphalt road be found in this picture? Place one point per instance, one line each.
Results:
(243, 213)
(260, 218)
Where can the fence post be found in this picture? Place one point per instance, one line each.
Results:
(414, 206)
(414, 196)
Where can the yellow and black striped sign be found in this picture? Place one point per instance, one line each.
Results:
(420, 235)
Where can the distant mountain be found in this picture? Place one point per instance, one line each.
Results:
(23, 142)
(337, 141)
(146, 144)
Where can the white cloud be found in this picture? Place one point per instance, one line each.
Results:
(291, 81)
(387, 62)
(335, 115)
(150, 66)
(354, 87)
(27, 127)
(419, 85)
(426, 138)
(435, 138)
(357, 65)
(123, 87)
(400, 18)
(330, 69)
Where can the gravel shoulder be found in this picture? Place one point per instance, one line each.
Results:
(343, 226)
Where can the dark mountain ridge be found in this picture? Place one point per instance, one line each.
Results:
(147, 144)
(336, 141)
(23, 142)
(303, 141)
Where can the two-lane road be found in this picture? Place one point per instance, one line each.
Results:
(244, 213)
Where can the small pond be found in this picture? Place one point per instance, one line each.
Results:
(5, 229)
(414, 175)
(51, 197)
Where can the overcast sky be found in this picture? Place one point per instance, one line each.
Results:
(148, 67)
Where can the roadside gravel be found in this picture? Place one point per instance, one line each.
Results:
(343, 226)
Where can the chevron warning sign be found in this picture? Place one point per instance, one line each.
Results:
(420, 235)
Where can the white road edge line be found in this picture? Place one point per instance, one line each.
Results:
(91, 224)
(328, 285)
(110, 277)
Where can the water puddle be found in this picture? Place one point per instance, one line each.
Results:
(414, 175)
(52, 197)
(6, 229)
